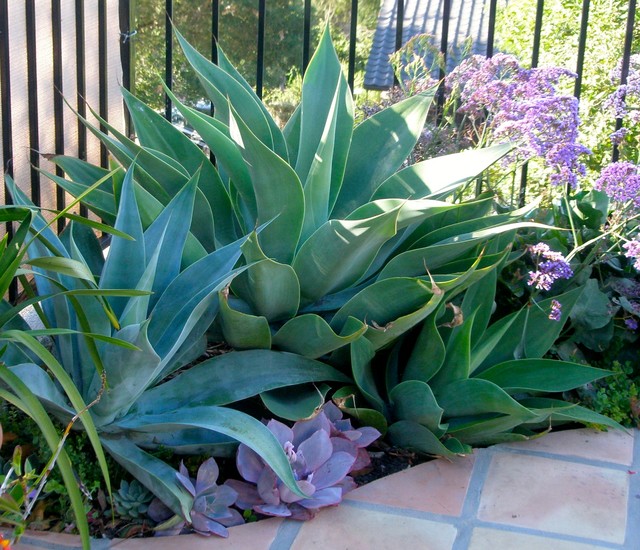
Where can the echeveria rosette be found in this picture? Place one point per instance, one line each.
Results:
(211, 512)
(320, 463)
(344, 436)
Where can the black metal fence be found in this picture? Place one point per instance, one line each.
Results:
(96, 38)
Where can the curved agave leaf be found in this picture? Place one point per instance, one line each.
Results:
(411, 435)
(296, 403)
(231, 377)
(222, 87)
(390, 307)
(440, 176)
(280, 145)
(392, 134)
(326, 128)
(362, 353)
(508, 342)
(473, 397)
(166, 238)
(340, 252)
(128, 373)
(126, 260)
(273, 180)
(311, 336)
(216, 135)
(428, 353)
(414, 401)
(153, 473)
(541, 375)
(555, 409)
(271, 289)
(457, 360)
(242, 330)
(236, 424)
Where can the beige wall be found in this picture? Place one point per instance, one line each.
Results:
(45, 87)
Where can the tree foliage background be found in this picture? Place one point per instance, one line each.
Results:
(238, 31)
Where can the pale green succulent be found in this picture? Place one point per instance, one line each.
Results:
(132, 499)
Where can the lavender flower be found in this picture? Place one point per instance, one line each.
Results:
(633, 252)
(556, 310)
(621, 182)
(523, 106)
(622, 99)
(632, 323)
(553, 267)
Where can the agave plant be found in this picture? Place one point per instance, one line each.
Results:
(341, 258)
(159, 326)
(464, 379)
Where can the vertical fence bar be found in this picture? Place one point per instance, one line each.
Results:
(535, 56)
(353, 37)
(306, 35)
(537, 34)
(7, 122)
(5, 92)
(126, 21)
(399, 31)
(582, 46)
(168, 60)
(81, 86)
(102, 75)
(32, 100)
(444, 45)
(58, 114)
(626, 59)
(215, 24)
(262, 15)
(491, 31)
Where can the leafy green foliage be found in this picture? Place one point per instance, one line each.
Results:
(346, 256)
(145, 318)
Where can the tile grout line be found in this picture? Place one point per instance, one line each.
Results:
(633, 503)
(471, 505)
(598, 463)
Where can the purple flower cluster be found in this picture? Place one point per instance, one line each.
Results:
(622, 99)
(523, 106)
(633, 252)
(556, 311)
(631, 323)
(553, 267)
(621, 182)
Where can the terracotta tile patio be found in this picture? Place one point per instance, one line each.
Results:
(570, 490)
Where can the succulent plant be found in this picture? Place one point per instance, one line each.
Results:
(322, 452)
(132, 499)
(343, 263)
(147, 315)
(211, 512)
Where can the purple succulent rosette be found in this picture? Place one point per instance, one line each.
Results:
(322, 452)
(211, 512)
